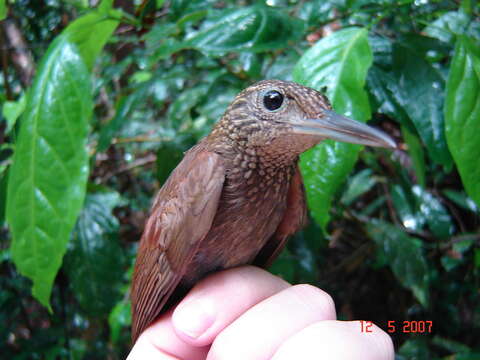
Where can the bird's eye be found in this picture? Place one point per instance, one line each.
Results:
(272, 100)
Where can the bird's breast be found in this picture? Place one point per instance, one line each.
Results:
(251, 207)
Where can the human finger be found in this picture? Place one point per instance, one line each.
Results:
(159, 341)
(221, 298)
(262, 329)
(339, 340)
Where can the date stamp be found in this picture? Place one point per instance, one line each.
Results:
(407, 326)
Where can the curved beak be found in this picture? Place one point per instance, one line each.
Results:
(337, 127)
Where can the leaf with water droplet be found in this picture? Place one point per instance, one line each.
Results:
(434, 213)
(417, 207)
(404, 203)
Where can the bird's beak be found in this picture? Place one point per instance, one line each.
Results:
(340, 128)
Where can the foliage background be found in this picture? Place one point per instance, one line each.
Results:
(393, 236)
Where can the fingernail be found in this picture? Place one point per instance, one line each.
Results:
(194, 317)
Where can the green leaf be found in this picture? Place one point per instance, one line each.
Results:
(179, 112)
(47, 180)
(435, 214)
(90, 32)
(340, 62)
(12, 110)
(358, 185)
(105, 6)
(382, 85)
(178, 8)
(48, 175)
(382, 51)
(306, 246)
(169, 156)
(404, 256)
(417, 207)
(251, 63)
(415, 151)
(420, 92)
(140, 77)
(455, 256)
(3, 10)
(450, 24)
(405, 206)
(158, 33)
(281, 67)
(452, 346)
(284, 266)
(120, 317)
(95, 260)
(462, 113)
(191, 18)
(316, 11)
(414, 348)
(255, 28)
(462, 200)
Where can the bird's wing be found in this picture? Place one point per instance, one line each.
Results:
(181, 216)
(294, 219)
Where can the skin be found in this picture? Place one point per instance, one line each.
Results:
(264, 318)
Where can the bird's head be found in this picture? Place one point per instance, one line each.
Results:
(285, 115)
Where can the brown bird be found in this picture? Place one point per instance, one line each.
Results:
(237, 195)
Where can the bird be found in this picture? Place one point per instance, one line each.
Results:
(238, 195)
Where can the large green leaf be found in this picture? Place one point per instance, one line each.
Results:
(420, 91)
(255, 28)
(462, 114)
(382, 85)
(90, 32)
(50, 166)
(95, 260)
(404, 256)
(340, 62)
(47, 180)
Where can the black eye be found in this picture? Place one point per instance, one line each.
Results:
(272, 100)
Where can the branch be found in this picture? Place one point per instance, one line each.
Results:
(20, 56)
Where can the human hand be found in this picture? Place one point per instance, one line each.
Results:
(248, 313)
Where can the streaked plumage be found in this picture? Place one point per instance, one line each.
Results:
(236, 196)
